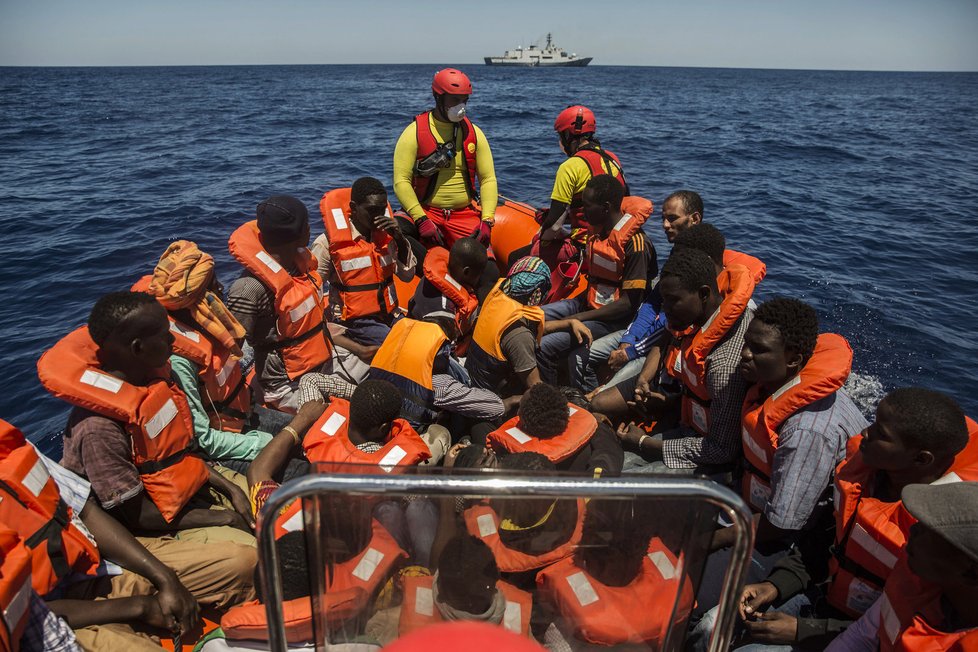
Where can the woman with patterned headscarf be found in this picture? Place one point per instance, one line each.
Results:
(502, 356)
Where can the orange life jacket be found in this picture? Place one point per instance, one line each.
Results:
(736, 285)
(615, 615)
(824, 373)
(349, 590)
(328, 441)
(226, 396)
(870, 534)
(31, 504)
(606, 255)
(419, 610)
(298, 301)
(910, 610)
(498, 313)
(424, 187)
(482, 521)
(363, 265)
(466, 303)
(15, 589)
(511, 439)
(407, 359)
(157, 418)
(599, 161)
(757, 268)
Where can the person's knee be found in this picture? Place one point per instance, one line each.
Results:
(609, 402)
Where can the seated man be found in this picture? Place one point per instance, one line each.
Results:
(359, 255)
(448, 286)
(278, 301)
(621, 260)
(503, 354)
(70, 539)
(131, 430)
(929, 600)
(708, 438)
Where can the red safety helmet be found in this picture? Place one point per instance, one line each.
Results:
(451, 81)
(576, 120)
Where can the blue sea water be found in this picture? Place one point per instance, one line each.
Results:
(859, 189)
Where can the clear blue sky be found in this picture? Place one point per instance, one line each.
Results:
(836, 34)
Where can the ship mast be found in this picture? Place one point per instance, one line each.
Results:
(548, 40)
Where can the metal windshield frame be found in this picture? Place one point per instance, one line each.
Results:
(486, 486)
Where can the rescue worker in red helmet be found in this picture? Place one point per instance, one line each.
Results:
(443, 170)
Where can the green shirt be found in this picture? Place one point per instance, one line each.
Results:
(216, 444)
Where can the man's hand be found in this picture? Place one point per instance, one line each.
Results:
(629, 434)
(310, 411)
(387, 223)
(242, 507)
(453, 453)
(580, 332)
(484, 233)
(618, 359)
(773, 628)
(755, 598)
(178, 605)
(367, 353)
(429, 233)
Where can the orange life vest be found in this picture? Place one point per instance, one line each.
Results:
(581, 425)
(424, 187)
(15, 589)
(363, 265)
(498, 313)
(736, 285)
(298, 301)
(349, 590)
(606, 255)
(226, 396)
(419, 610)
(614, 615)
(599, 161)
(327, 441)
(757, 268)
(156, 417)
(31, 504)
(910, 610)
(407, 359)
(466, 303)
(824, 373)
(482, 521)
(870, 533)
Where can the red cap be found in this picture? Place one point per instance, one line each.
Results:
(471, 636)
(451, 81)
(576, 120)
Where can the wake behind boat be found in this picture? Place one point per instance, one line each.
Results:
(549, 55)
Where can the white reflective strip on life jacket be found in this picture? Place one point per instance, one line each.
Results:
(760, 494)
(368, 564)
(604, 294)
(513, 617)
(582, 588)
(518, 435)
(889, 619)
(571, 410)
(861, 596)
(622, 222)
(424, 601)
(661, 561)
(393, 456)
(451, 281)
(604, 262)
(700, 418)
(161, 419)
(225, 372)
(193, 336)
(268, 261)
(950, 478)
(754, 446)
(102, 381)
(864, 540)
(36, 478)
(303, 309)
(385, 260)
(339, 219)
(295, 523)
(784, 388)
(17, 607)
(690, 376)
(333, 423)
(486, 524)
(360, 262)
(390, 295)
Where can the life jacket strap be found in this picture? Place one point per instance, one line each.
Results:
(155, 466)
(50, 532)
(265, 347)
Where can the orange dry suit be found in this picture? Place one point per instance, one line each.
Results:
(363, 266)
(15, 589)
(419, 608)
(824, 374)
(156, 417)
(297, 301)
(615, 615)
(328, 441)
(31, 504)
(606, 255)
(509, 438)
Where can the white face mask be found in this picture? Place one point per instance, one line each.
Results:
(456, 113)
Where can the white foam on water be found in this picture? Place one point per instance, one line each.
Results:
(866, 391)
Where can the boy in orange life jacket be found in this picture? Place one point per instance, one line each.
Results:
(133, 339)
(919, 437)
(610, 303)
(930, 601)
(448, 286)
(363, 303)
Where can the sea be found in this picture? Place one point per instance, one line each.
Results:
(858, 189)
